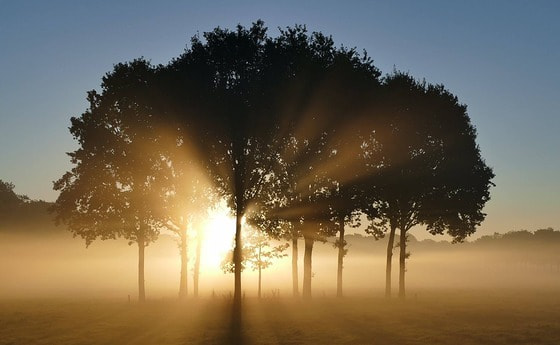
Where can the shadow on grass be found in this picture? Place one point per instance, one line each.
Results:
(234, 335)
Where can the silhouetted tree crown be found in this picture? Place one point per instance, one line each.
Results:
(294, 133)
(426, 166)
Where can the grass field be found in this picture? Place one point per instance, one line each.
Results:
(445, 317)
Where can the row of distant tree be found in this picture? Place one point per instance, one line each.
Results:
(19, 211)
(540, 238)
(546, 235)
(300, 137)
(525, 236)
(523, 248)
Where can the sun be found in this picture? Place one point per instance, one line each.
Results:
(218, 235)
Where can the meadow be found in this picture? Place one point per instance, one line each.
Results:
(57, 291)
(425, 317)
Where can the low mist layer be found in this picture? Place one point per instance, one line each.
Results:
(57, 265)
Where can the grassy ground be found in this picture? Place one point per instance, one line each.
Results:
(446, 317)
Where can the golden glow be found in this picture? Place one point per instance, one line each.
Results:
(218, 235)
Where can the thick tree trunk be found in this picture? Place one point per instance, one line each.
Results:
(141, 288)
(196, 273)
(259, 272)
(307, 267)
(184, 263)
(237, 260)
(295, 282)
(402, 262)
(341, 246)
(389, 266)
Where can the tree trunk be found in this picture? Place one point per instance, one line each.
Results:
(341, 246)
(402, 262)
(141, 288)
(388, 267)
(259, 260)
(239, 165)
(307, 267)
(184, 262)
(237, 260)
(295, 281)
(197, 262)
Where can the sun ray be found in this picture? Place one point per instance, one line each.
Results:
(218, 234)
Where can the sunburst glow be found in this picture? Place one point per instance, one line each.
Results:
(218, 234)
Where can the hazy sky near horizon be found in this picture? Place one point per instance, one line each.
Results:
(501, 58)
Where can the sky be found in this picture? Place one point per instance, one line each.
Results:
(501, 58)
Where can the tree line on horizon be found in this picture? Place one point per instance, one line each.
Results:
(300, 137)
(19, 210)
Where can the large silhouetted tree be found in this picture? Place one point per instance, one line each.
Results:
(427, 166)
(292, 131)
(325, 83)
(245, 97)
(113, 188)
(222, 89)
(346, 167)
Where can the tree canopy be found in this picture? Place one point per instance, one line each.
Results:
(113, 190)
(293, 132)
(426, 167)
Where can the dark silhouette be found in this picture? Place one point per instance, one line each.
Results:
(10, 202)
(427, 168)
(258, 253)
(218, 86)
(113, 189)
(326, 85)
(298, 136)
(21, 214)
(243, 100)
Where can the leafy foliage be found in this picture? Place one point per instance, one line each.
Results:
(258, 252)
(297, 135)
(427, 168)
(112, 189)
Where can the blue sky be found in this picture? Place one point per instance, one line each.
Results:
(500, 57)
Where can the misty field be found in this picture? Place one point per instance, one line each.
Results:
(444, 317)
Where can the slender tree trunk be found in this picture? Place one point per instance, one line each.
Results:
(239, 165)
(184, 263)
(237, 259)
(341, 246)
(389, 266)
(295, 281)
(259, 259)
(307, 267)
(402, 262)
(141, 288)
(196, 273)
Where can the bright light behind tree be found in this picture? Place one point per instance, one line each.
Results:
(219, 230)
